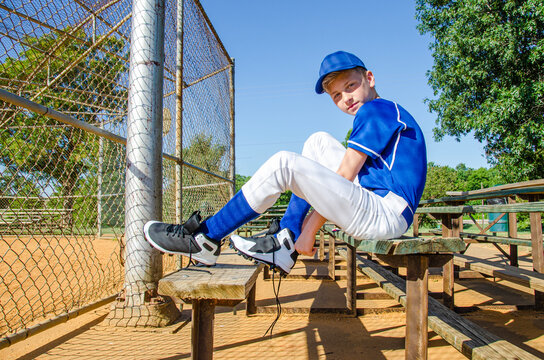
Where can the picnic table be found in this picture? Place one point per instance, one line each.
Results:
(451, 216)
(34, 220)
(417, 255)
(229, 282)
(422, 311)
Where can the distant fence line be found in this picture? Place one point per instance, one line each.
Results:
(64, 82)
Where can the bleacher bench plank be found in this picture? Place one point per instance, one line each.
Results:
(416, 254)
(465, 336)
(401, 246)
(227, 283)
(537, 206)
(514, 274)
(460, 196)
(224, 283)
(490, 238)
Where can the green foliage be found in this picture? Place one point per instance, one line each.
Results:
(240, 181)
(204, 153)
(488, 77)
(441, 179)
(282, 200)
(345, 142)
(70, 75)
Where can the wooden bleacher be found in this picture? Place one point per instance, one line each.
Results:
(229, 282)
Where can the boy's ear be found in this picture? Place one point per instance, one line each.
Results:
(370, 78)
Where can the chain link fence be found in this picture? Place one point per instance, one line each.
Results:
(62, 188)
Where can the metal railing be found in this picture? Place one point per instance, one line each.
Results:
(64, 89)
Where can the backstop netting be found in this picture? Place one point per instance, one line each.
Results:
(62, 189)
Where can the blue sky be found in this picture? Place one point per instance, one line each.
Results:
(278, 46)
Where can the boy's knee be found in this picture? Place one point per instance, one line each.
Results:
(314, 141)
(280, 158)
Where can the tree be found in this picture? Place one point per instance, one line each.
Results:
(348, 134)
(241, 180)
(439, 180)
(488, 77)
(200, 190)
(70, 74)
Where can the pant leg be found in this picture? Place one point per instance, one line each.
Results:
(356, 210)
(324, 149)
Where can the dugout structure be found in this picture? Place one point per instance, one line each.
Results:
(67, 74)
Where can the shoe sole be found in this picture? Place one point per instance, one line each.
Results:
(272, 266)
(156, 246)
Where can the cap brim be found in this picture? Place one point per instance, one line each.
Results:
(319, 85)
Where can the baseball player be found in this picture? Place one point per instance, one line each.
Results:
(370, 190)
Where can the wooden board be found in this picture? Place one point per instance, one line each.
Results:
(513, 186)
(497, 239)
(489, 238)
(462, 196)
(514, 274)
(402, 246)
(465, 336)
(230, 280)
(474, 209)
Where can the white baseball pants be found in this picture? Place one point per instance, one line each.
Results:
(312, 176)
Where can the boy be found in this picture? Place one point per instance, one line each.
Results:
(370, 190)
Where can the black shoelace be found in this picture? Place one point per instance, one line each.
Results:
(179, 230)
(278, 303)
(176, 230)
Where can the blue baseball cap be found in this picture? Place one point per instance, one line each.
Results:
(336, 61)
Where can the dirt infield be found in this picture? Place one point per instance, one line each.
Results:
(43, 276)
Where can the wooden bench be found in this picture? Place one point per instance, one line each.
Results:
(33, 220)
(417, 255)
(229, 282)
(451, 217)
(532, 191)
(465, 336)
(529, 279)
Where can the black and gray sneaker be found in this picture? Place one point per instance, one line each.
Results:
(183, 239)
(274, 247)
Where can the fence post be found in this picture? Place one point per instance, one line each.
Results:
(143, 199)
(179, 118)
(232, 149)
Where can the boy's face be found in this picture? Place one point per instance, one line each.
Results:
(351, 89)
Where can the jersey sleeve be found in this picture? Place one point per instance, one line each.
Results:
(374, 127)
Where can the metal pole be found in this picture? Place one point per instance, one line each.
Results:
(232, 132)
(99, 184)
(179, 118)
(143, 199)
(100, 162)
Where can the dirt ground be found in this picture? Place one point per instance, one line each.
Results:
(45, 274)
(302, 332)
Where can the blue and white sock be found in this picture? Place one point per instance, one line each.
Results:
(294, 215)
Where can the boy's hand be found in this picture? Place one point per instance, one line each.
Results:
(305, 245)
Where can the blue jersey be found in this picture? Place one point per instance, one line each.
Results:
(394, 143)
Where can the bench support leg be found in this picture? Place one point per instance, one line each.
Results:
(513, 233)
(538, 254)
(417, 305)
(448, 282)
(251, 308)
(202, 329)
(321, 245)
(332, 261)
(351, 287)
